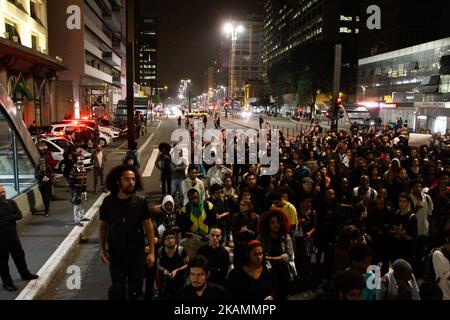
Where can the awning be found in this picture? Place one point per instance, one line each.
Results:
(23, 59)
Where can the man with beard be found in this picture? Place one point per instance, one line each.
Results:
(200, 288)
(10, 243)
(124, 216)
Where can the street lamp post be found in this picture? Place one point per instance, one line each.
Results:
(233, 30)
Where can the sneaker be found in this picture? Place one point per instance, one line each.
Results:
(79, 224)
(85, 219)
(30, 276)
(10, 287)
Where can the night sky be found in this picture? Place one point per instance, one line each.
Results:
(189, 34)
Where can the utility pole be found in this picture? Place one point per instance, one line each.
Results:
(131, 35)
(189, 96)
(336, 86)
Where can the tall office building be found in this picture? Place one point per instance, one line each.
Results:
(146, 62)
(293, 23)
(246, 56)
(95, 55)
(403, 24)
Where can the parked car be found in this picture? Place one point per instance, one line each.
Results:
(65, 128)
(56, 146)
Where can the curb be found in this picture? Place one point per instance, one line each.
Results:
(52, 266)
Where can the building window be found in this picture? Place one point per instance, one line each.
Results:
(34, 42)
(346, 18)
(345, 30)
(34, 12)
(11, 32)
(445, 84)
(18, 4)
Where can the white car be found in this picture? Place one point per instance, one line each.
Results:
(58, 128)
(56, 146)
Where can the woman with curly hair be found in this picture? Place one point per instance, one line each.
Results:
(274, 235)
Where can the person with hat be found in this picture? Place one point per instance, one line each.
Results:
(78, 182)
(399, 284)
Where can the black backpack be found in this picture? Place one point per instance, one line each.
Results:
(430, 274)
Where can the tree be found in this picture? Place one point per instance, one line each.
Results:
(304, 71)
(156, 99)
(281, 80)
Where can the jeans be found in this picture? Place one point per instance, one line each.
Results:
(98, 174)
(46, 193)
(177, 191)
(79, 209)
(127, 273)
(166, 181)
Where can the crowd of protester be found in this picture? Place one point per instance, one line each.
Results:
(343, 209)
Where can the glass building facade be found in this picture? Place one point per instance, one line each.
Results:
(415, 79)
(18, 155)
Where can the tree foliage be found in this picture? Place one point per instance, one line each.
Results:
(303, 71)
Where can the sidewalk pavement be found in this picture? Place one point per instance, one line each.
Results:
(41, 236)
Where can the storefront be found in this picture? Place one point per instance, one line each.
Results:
(416, 80)
(433, 116)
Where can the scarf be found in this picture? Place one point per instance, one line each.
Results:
(198, 217)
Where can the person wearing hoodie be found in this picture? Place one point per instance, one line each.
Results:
(399, 284)
(166, 215)
(390, 175)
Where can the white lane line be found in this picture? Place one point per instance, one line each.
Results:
(120, 147)
(151, 163)
(146, 143)
(48, 271)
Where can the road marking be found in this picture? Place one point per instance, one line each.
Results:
(49, 270)
(120, 147)
(151, 164)
(146, 143)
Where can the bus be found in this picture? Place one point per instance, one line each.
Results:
(141, 105)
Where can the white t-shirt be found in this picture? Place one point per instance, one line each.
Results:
(442, 270)
(423, 214)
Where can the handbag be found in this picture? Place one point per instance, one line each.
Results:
(292, 271)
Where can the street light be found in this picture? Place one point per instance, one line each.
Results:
(233, 30)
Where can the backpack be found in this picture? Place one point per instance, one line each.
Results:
(430, 274)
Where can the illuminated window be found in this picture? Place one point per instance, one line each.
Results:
(346, 18)
(345, 30)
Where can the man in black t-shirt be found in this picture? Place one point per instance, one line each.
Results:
(200, 289)
(218, 257)
(124, 216)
